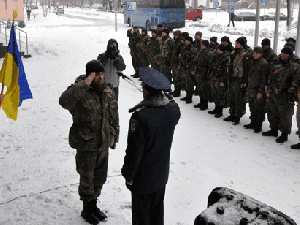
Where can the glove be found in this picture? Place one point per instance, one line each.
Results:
(116, 62)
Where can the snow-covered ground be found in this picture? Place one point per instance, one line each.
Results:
(38, 181)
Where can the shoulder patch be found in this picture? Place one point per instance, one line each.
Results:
(133, 125)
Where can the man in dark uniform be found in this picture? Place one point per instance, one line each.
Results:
(94, 108)
(279, 108)
(142, 49)
(160, 28)
(225, 40)
(153, 50)
(147, 159)
(134, 39)
(268, 53)
(197, 41)
(213, 44)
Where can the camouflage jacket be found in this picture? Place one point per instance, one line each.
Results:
(166, 48)
(203, 64)
(259, 70)
(238, 66)
(197, 45)
(177, 49)
(142, 46)
(281, 76)
(269, 55)
(134, 39)
(153, 47)
(188, 57)
(219, 68)
(95, 115)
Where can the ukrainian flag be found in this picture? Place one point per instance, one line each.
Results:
(13, 76)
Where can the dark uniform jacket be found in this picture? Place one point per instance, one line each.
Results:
(258, 73)
(269, 55)
(95, 115)
(219, 68)
(177, 49)
(188, 57)
(203, 64)
(149, 141)
(134, 39)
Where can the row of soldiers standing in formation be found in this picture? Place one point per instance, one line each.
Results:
(226, 75)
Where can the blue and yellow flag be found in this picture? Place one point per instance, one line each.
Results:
(12, 75)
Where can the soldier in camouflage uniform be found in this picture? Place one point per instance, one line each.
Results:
(225, 40)
(259, 70)
(94, 108)
(153, 50)
(177, 76)
(218, 80)
(159, 30)
(213, 44)
(279, 109)
(166, 48)
(134, 39)
(237, 82)
(201, 73)
(268, 53)
(197, 41)
(188, 60)
(142, 49)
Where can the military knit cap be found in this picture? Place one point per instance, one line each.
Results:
(160, 25)
(205, 43)
(242, 41)
(222, 47)
(166, 31)
(145, 30)
(135, 27)
(178, 33)
(214, 39)
(93, 66)
(258, 49)
(154, 31)
(154, 78)
(189, 39)
(225, 39)
(266, 42)
(199, 33)
(290, 39)
(185, 34)
(290, 44)
(287, 50)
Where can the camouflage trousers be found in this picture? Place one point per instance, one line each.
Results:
(153, 64)
(236, 99)
(219, 93)
(92, 167)
(190, 82)
(143, 60)
(202, 86)
(280, 115)
(177, 76)
(135, 60)
(257, 107)
(298, 115)
(165, 68)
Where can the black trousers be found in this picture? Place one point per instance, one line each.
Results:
(148, 209)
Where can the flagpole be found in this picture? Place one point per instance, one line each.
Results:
(2, 92)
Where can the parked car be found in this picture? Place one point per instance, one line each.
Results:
(246, 16)
(193, 14)
(59, 10)
(271, 16)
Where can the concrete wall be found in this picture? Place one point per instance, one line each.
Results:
(7, 14)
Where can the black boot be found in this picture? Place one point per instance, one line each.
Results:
(198, 105)
(229, 118)
(188, 100)
(219, 112)
(295, 146)
(214, 111)
(252, 124)
(87, 213)
(258, 125)
(183, 99)
(97, 212)
(272, 132)
(177, 92)
(204, 106)
(283, 138)
(236, 121)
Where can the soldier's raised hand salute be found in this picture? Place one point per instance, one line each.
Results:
(90, 78)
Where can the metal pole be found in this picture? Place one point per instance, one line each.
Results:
(26, 44)
(298, 34)
(276, 25)
(116, 15)
(20, 42)
(130, 19)
(257, 23)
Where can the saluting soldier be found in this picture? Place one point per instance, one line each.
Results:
(259, 70)
(134, 38)
(218, 80)
(279, 109)
(201, 73)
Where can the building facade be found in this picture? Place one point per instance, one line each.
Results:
(7, 7)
